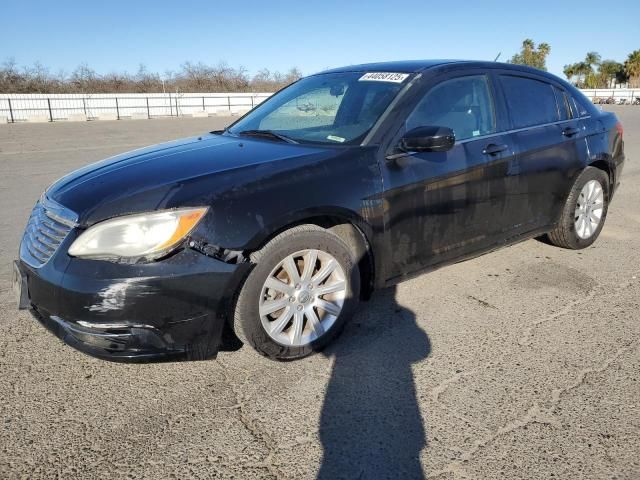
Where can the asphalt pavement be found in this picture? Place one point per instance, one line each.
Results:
(523, 363)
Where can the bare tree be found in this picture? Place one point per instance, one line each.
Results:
(191, 77)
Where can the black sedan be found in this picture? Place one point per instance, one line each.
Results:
(346, 181)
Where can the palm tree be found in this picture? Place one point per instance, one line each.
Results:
(532, 56)
(569, 71)
(544, 49)
(608, 71)
(632, 68)
(590, 60)
(579, 70)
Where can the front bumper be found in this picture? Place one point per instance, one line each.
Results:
(167, 310)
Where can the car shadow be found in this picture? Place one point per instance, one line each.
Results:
(370, 424)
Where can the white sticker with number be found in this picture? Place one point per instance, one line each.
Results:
(384, 77)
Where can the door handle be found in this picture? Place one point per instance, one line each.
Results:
(493, 149)
(570, 131)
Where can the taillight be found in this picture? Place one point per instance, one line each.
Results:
(619, 129)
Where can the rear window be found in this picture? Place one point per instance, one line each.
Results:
(531, 102)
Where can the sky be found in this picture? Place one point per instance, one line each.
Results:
(117, 35)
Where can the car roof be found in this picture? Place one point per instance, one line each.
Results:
(415, 66)
(402, 66)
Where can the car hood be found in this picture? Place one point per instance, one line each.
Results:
(172, 174)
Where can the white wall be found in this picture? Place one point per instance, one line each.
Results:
(60, 106)
(617, 93)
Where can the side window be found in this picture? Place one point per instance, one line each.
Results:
(574, 106)
(463, 104)
(582, 110)
(573, 112)
(530, 102)
(563, 104)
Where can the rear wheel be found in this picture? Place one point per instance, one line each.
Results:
(584, 212)
(304, 287)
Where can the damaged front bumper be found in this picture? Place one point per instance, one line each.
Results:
(168, 310)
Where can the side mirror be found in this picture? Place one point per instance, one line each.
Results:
(428, 139)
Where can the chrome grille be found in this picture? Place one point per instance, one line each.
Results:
(49, 224)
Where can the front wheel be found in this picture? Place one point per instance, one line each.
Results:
(304, 287)
(584, 212)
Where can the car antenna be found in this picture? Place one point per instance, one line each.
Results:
(497, 57)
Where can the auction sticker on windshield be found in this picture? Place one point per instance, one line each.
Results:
(383, 77)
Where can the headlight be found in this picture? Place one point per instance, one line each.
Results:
(149, 235)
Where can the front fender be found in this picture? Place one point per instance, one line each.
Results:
(310, 215)
(253, 208)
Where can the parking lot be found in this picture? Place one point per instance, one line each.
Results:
(524, 363)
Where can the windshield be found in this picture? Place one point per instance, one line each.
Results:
(332, 108)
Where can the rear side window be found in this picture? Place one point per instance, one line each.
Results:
(582, 110)
(463, 104)
(563, 104)
(530, 102)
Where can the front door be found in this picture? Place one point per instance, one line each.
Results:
(442, 205)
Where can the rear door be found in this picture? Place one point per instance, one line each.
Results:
(549, 140)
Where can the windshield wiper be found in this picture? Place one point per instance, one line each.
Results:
(267, 133)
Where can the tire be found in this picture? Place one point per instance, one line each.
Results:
(571, 232)
(250, 321)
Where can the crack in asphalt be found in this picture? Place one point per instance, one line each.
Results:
(251, 425)
(525, 339)
(483, 303)
(445, 384)
(582, 375)
(535, 414)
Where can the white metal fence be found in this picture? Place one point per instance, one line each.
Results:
(54, 107)
(628, 94)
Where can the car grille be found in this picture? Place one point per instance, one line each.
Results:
(48, 226)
